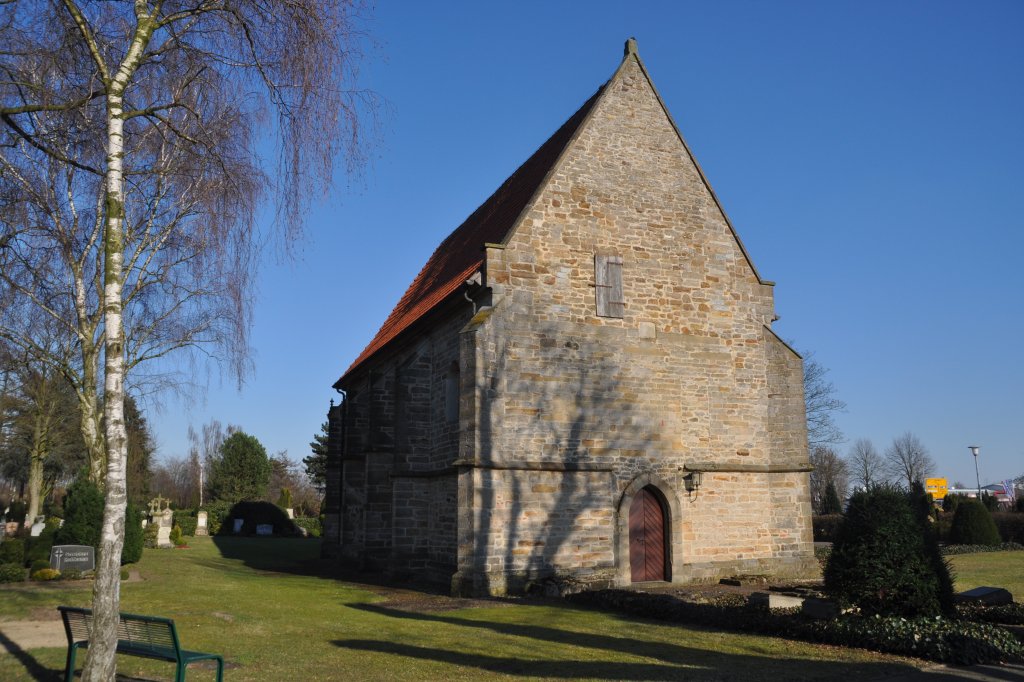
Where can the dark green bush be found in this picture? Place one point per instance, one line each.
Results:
(952, 501)
(18, 510)
(1010, 526)
(937, 639)
(1019, 506)
(258, 513)
(1004, 614)
(186, 520)
(880, 561)
(925, 514)
(83, 515)
(990, 501)
(973, 525)
(311, 524)
(950, 550)
(831, 504)
(133, 536)
(38, 564)
(12, 551)
(12, 573)
(825, 526)
(38, 548)
(149, 535)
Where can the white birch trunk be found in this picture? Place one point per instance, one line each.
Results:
(106, 591)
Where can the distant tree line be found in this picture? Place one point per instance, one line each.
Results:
(226, 465)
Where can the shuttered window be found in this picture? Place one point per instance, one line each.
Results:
(608, 285)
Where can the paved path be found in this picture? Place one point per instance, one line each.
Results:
(31, 634)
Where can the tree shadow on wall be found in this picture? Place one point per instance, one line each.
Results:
(573, 402)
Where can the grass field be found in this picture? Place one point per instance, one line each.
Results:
(267, 607)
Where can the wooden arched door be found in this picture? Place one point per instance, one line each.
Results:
(647, 551)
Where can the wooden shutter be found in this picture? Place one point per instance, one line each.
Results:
(608, 284)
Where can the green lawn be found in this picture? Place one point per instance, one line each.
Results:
(993, 569)
(263, 604)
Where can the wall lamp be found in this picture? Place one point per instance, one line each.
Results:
(693, 481)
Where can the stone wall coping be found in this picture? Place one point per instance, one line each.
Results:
(715, 468)
(534, 465)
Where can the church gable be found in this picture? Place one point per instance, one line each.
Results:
(627, 188)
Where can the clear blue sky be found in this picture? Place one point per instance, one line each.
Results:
(869, 154)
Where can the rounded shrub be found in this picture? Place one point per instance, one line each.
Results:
(973, 525)
(880, 561)
(83, 515)
(255, 514)
(12, 551)
(44, 574)
(12, 573)
(38, 564)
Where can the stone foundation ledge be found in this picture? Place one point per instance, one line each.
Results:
(777, 568)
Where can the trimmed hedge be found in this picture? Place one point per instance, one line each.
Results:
(311, 524)
(12, 573)
(825, 526)
(973, 525)
(186, 520)
(12, 551)
(1010, 526)
(950, 550)
(255, 514)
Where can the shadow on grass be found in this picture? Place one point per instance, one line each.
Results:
(294, 556)
(32, 666)
(674, 661)
(301, 556)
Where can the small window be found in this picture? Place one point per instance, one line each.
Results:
(608, 284)
(451, 394)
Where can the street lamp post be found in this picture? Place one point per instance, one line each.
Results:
(974, 451)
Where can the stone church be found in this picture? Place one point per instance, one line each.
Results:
(581, 385)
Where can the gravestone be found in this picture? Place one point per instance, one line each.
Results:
(165, 521)
(990, 596)
(238, 525)
(76, 557)
(38, 526)
(265, 529)
(201, 528)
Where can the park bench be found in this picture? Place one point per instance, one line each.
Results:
(146, 636)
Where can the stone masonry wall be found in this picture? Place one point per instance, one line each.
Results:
(684, 380)
(397, 505)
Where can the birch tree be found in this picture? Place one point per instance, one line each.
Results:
(166, 96)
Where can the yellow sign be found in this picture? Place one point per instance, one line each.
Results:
(937, 487)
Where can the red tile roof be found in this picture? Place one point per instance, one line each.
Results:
(461, 253)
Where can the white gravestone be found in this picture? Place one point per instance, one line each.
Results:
(238, 525)
(201, 528)
(265, 529)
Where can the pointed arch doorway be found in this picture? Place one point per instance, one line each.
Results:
(648, 553)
